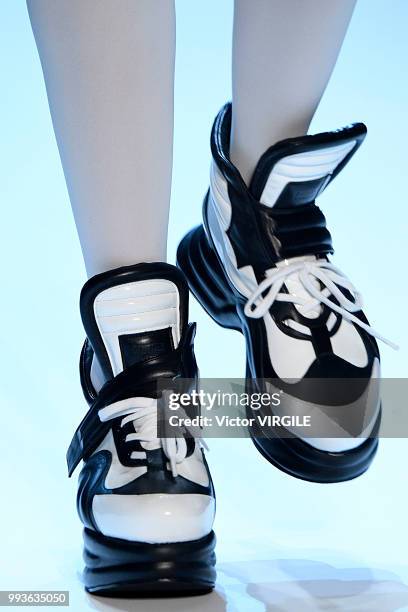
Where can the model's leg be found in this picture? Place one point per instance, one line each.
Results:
(283, 54)
(261, 265)
(109, 67)
(109, 72)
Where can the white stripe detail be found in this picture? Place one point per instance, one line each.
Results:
(134, 308)
(219, 219)
(303, 167)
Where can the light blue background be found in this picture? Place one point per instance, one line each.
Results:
(281, 542)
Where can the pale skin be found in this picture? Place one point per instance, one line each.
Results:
(109, 72)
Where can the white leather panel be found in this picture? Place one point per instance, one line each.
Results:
(347, 344)
(219, 190)
(303, 167)
(298, 327)
(336, 445)
(136, 307)
(290, 357)
(193, 468)
(154, 518)
(110, 308)
(331, 321)
(218, 218)
(97, 377)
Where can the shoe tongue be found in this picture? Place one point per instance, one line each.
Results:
(292, 174)
(137, 319)
(295, 171)
(295, 287)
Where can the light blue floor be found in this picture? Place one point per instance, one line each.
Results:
(283, 544)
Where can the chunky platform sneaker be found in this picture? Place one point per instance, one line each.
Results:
(147, 503)
(260, 265)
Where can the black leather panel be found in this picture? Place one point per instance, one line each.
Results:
(91, 479)
(296, 231)
(85, 363)
(252, 245)
(158, 479)
(143, 346)
(300, 192)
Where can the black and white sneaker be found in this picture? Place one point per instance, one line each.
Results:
(147, 503)
(260, 265)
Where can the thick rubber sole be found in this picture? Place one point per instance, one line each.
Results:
(208, 283)
(120, 568)
(301, 460)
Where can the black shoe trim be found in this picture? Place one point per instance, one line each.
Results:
(121, 568)
(301, 460)
(294, 226)
(292, 146)
(139, 380)
(207, 281)
(91, 479)
(220, 149)
(120, 276)
(85, 364)
(146, 345)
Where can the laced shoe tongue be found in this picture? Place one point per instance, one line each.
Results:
(296, 287)
(294, 172)
(138, 321)
(133, 314)
(290, 175)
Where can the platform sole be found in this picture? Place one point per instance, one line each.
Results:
(208, 283)
(120, 568)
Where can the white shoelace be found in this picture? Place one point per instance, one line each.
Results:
(308, 273)
(142, 411)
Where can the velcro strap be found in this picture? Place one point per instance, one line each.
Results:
(139, 380)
